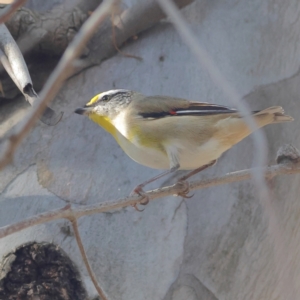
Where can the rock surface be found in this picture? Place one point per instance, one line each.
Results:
(221, 244)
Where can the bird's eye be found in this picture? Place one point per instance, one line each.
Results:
(105, 98)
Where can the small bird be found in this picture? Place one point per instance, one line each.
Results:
(163, 132)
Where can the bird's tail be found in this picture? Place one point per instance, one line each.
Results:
(234, 129)
(271, 115)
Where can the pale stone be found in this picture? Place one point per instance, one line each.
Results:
(224, 237)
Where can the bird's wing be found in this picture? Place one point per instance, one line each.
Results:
(159, 107)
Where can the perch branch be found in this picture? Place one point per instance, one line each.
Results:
(292, 166)
(85, 259)
(56, 79)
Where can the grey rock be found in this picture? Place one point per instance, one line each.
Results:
(232, 244)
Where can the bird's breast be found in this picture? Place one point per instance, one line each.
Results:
(147, 156)
(190, 156)
(149, 146)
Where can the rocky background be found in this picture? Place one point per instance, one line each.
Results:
(216, 245)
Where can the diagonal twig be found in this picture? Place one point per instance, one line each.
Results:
(85, 259)
(59, 74)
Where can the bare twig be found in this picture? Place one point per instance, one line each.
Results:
(68, 213)
(8, 11)
(59, 74)
(85, 259)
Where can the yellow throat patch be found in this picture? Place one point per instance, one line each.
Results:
(104, 122)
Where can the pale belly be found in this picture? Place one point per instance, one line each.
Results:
(190, 156)
(194, 156)
(149, 157)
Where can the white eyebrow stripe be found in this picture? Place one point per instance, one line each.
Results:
(113, 92)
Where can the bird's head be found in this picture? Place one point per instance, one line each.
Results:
(106, 105)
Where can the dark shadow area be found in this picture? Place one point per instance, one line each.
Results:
(40, 271)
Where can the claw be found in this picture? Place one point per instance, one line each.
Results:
(136, 207)
(184, 194)
(139, 190)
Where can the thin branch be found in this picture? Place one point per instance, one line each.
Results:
(85, 259)
(67, 213)
(59, 74)
(9, 10)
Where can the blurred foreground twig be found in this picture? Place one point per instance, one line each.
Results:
(58, 76)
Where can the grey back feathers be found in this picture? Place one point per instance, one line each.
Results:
(155, 107)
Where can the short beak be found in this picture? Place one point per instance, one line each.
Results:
(81, 111)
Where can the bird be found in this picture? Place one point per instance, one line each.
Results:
(169, 133)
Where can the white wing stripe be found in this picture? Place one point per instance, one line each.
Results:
(203, 111)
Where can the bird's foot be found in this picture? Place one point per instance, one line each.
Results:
(139, 190)
(186, 190)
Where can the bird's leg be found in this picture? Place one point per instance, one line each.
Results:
(192, 173)
(183, 179)
(139, 189)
